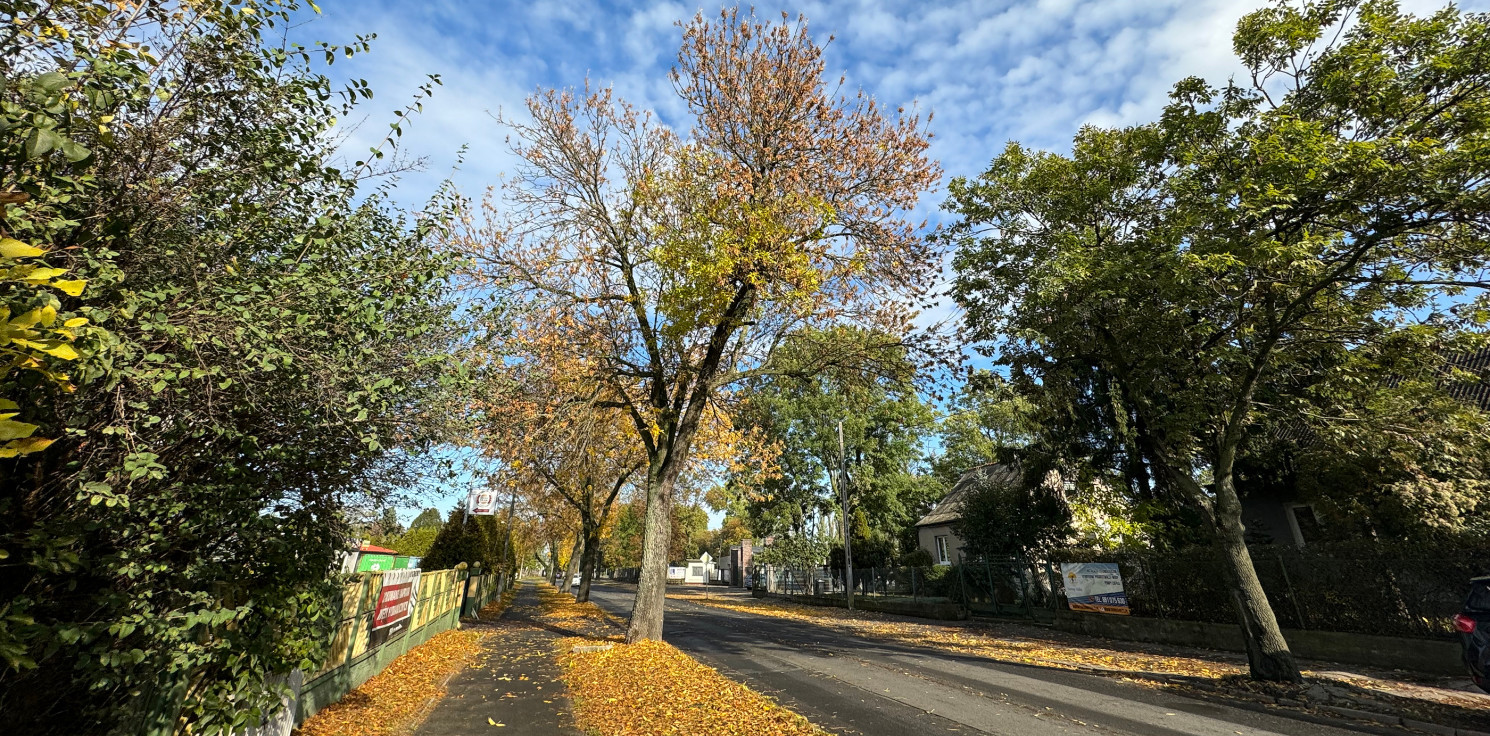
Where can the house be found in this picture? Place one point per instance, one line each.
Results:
(372, 558)
(734, 569)
(700, 570)
(1276, 512)
(934, 531)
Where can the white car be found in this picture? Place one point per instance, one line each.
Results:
(575, 581)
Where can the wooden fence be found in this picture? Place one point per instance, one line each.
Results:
(358, 653)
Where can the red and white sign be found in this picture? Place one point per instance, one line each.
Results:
(397, 597)
(482, 503)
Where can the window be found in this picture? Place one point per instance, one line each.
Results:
(943, 555)
(1303, 523)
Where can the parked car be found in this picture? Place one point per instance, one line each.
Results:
(575, 581)
(1473, 625)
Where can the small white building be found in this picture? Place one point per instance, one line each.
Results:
(700, 571)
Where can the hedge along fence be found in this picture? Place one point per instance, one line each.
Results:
(358, 653)
(1365, 588)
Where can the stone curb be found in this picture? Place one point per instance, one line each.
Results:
(1344, 717)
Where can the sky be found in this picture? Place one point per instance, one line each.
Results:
(989, 72)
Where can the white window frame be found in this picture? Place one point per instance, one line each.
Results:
(943, 549)
(1291, 510)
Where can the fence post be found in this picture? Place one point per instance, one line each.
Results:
(465, 591)
(1052, 578)
(992, 589)
(962, 583)
(1292, 596)
(1153, 572)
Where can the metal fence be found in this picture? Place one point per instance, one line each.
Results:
(1358, 588)
(885, 582)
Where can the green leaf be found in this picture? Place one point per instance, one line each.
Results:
(13, 430)
(74, 151)
(41, 141)
(52, 81)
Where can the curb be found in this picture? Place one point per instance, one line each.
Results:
(1360, 720)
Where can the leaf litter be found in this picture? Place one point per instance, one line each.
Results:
(651, 688)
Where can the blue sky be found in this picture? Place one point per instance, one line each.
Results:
(1028, 70)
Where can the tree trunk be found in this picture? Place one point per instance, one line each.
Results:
(587, 562)
(573, 566)
(651, 585)
(1268, 656)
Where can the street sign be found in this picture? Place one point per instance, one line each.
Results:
(482, 503)
(1094, 586)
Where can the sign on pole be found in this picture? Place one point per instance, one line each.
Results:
(396, 599)
(481, 503)
(1094, 586)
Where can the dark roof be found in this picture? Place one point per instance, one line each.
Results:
(949, 509)
(1476, 393)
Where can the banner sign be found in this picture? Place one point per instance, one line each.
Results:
(482, 503)
(396, 599)
(1094, 586)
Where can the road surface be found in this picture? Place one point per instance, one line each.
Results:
(852, 685)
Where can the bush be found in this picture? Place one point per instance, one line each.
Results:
(260, 338)
(917, 557)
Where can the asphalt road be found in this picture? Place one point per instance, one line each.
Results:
(853, 685)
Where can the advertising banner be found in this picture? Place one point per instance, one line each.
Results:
(1094, 586)
(482, 503)
(396, 599)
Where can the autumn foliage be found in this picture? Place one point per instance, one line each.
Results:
(658, 266)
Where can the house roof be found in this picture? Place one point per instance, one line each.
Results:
(949, 509)
(1474, 393)
(374, 549)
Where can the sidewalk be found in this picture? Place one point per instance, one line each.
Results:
(514, 689)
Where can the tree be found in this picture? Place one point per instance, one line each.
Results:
(416, 542)
(560, 447)
(670, 268)
(1250, 237)
(428, 518)
(463, 539)
(799, 408)
(987, 418)
(732, 531)
(803, 550)
(263, 337)
(1004, 512)
(689, 536)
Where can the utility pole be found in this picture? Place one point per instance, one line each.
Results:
(848, 550)
(507, 551)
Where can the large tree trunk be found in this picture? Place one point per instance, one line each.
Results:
(1268, 656)
(651, 585)
(573, 566)
(553, 561)
(587, 562)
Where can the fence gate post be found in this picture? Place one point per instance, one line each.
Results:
(1292, 596)
(993, 596)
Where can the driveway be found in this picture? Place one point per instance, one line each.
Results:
(853, 685)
